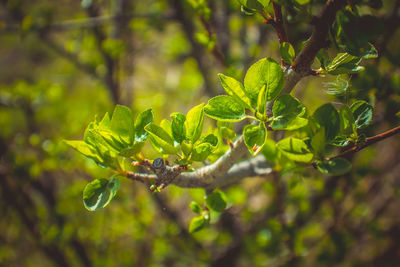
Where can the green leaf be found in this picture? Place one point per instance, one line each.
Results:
(143, 119)
(327, 116)
(287, 52)
(161, 139)
(210, 139)
(166, 125)
(262, 100)
(264, 72)
(355, 31)
(98, 193)
(254, 137)
(337, 166)
(194, 123)
(200, 152)
(186, 147)
(235, 89)
(195, 207)
(224, 108)
(255, 4)
(344, 63)
(370, 52)
(362, 113)
(196, 224)
(178, 127)
(122, 123)
(286, 109)
(318, 142)
(295, 149)
(340, 140)
(346, 120)
(85, 149)
(216, 201)
(296, 123)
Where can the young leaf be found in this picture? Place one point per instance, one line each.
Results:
(195, 207)
(194, 123)
(286, 108)
(122, 123)
(98, 193)
(340, 140)
(295, 149)
(287, 52)
(178, 127)
(255, 4)
(254, 137)
(210, 139)
(216, 201)
(224, 108)
(200, 152)
(161, 139)
(296, 123)
(196, 224)
(235, 89)
(264, 72)
(262, 100)
(344, 63)
(362, 112)
(144, 118)
(85, 149)
(328, 117)
(337, 166)
(166, 125)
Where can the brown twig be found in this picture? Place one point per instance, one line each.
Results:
(368, 142)
(318, 40)
(278, 25)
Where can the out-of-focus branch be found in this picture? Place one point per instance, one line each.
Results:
(198, 51)
(85, 23)
(89, 69)
(111, 77)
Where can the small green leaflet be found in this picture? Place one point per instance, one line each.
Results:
(235, 89)
(216, 201)
(362, 113)
(225, 108)
(337, 166)
(287, 52)
(98, 193)
(161, 140)
(264, 72)
(194, 123)
(254, 137)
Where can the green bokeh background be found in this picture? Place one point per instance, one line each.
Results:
(56, 64)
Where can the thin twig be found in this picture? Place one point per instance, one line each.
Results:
(368, 142)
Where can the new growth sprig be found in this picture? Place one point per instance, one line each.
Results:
(263, 102)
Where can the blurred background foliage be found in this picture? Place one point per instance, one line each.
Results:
(62, 62)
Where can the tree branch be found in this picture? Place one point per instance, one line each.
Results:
(217, 174)
(278, 25)
(369, 141)
(252, 167)
(318, 40)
